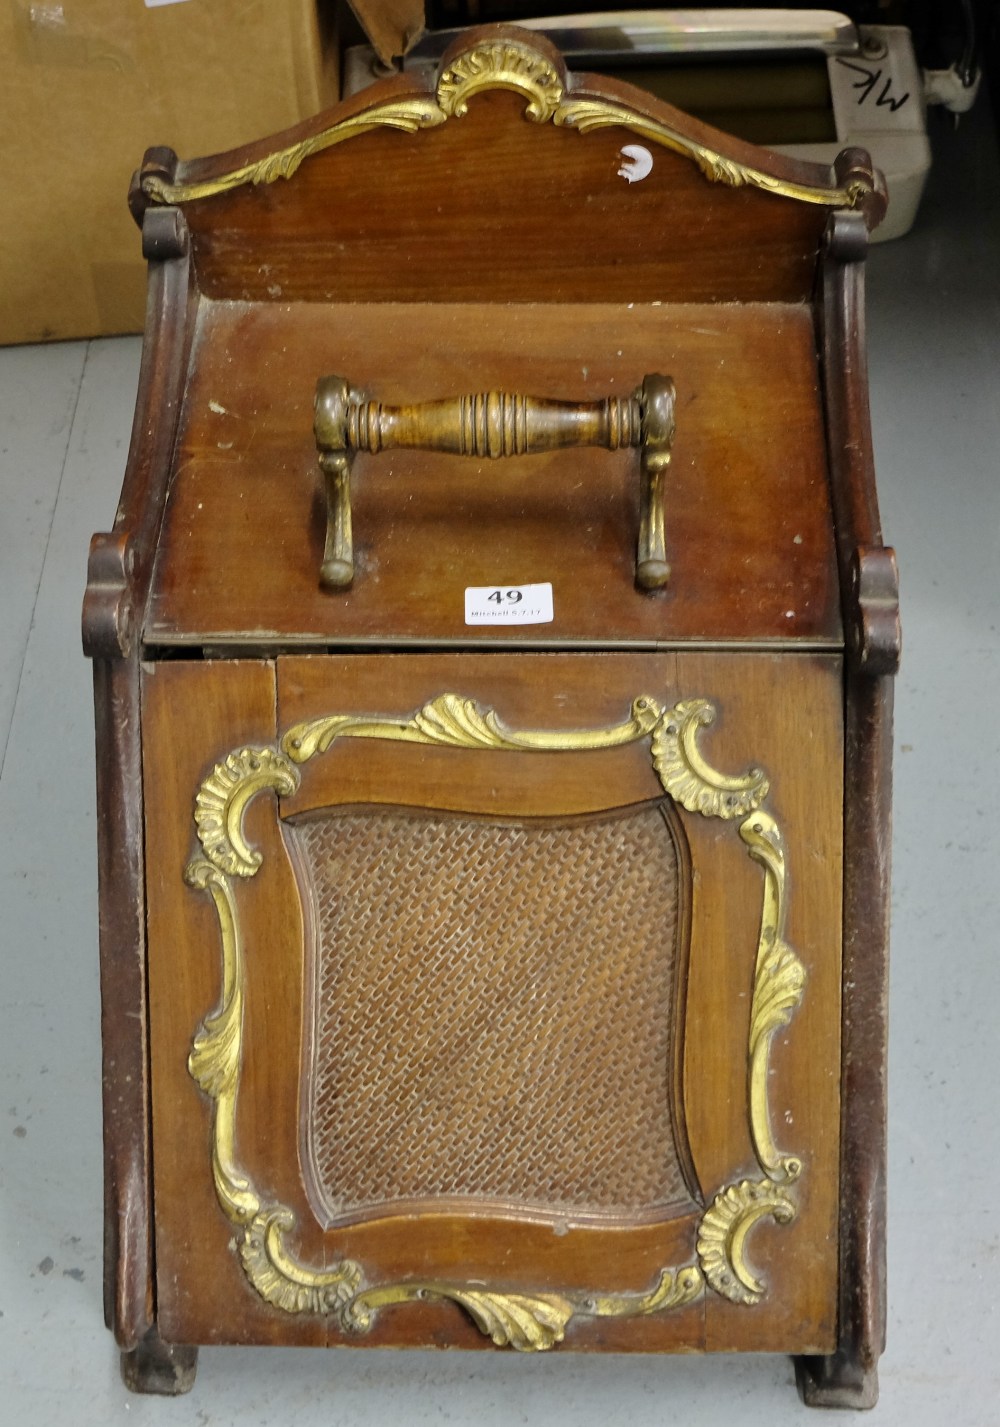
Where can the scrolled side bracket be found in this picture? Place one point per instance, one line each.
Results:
(873, 634)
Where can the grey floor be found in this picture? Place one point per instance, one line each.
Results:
(65, 412)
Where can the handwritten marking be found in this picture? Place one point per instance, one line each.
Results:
(867, 83)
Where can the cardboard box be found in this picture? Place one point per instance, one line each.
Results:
(87, 86)
(393, 26)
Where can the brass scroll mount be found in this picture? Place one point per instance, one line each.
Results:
(493, 424)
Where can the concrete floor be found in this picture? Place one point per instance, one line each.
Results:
(65, 413)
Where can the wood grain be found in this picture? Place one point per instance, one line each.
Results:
(202, 1293)
(786, 715)
(121, 560)
(768, 706)
(129, 1300)
(119, 571)
(493, 207)
(849, 1377)
(492, 253)
(747, 508)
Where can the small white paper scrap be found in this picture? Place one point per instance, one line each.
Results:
(508, 604)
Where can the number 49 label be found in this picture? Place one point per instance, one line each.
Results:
(508, 604)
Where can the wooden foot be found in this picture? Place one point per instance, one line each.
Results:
(167, 1369)
(837, 1381)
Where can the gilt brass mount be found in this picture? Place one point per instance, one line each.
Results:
(490, 425)
(526, 67)
(527, 1321)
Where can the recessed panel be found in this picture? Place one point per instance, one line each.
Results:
(492, 1014)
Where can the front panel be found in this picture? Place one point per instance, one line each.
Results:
(496, 999)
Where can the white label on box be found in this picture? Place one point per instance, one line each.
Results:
(508, 604)
(153, 4)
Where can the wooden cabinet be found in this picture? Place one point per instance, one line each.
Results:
(509, 984)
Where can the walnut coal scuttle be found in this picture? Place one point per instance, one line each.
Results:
(492, 659)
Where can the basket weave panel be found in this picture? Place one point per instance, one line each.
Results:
(491, 1011)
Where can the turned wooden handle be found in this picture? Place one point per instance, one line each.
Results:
(493, 424)
(488, 423)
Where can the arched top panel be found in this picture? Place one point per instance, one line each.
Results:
(507, 179)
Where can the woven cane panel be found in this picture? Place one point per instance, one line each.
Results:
(492, 1012)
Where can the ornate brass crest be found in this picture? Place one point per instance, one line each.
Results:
(504, 63)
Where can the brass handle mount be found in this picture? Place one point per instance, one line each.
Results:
(492, 425)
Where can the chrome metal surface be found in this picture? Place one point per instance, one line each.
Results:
(644, 34)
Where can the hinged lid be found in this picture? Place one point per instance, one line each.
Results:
(747, 516)
(511, 230)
